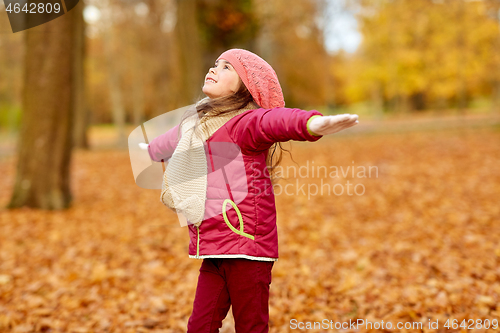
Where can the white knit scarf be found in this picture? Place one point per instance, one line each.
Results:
(184, 188)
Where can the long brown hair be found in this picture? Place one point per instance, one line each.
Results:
(238, 100)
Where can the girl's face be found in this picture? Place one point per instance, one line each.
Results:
(221, 80)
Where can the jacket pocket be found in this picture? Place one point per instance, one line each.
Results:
(241, 231)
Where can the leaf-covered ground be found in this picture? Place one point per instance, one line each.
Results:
(421, 243)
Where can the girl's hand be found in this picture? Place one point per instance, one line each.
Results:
(144, 146)
(332, 124)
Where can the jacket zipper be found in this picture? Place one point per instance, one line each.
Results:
(210, 155)
(198, 243)
(198, 227)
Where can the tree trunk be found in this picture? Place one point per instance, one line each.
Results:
(138, 99)
(496, 98)
(377, 100)
(118, 109)
(404, 106)
(45, 138)
(80, 138)
(138, 87)
(189, 50)
(461, 80)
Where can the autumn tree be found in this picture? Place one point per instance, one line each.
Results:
(82, 115)
(300, 58)
(224, 25)
(425, 53)
(189, 48)
(11, 76)
(45, 139)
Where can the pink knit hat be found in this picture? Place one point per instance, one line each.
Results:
(258, 76)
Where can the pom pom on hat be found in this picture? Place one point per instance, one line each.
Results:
(258, 76)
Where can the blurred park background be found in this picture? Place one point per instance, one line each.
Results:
(84, 249)
(376, 58)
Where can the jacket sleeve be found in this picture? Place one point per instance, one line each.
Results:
(260, 129)
(162, 147)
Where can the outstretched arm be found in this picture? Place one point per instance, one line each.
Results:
(259, 129)
(324, 125)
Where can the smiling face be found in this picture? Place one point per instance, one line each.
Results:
(221, 80)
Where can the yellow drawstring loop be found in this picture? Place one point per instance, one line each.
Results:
(239, 232)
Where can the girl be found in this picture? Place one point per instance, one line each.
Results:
(230, 205)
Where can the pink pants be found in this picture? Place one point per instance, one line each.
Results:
(242, 283)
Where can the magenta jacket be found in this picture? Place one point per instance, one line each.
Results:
(238, 180)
